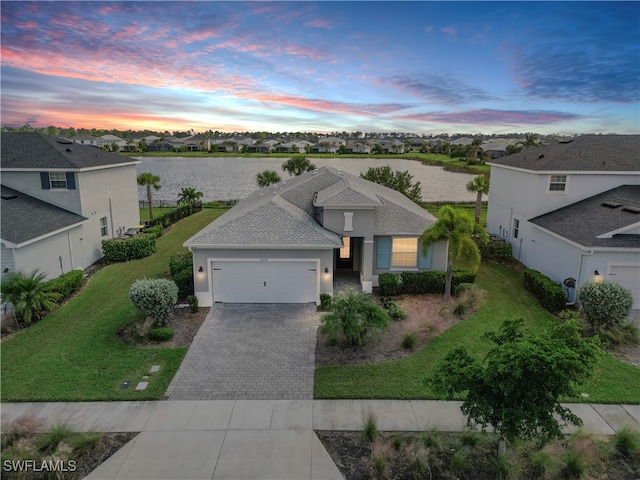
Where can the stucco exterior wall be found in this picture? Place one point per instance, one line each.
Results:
(29, 183)
(202, 280)
(53, 255)
(362, 221)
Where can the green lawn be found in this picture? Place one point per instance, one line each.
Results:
(157, 212)
(74, 353)
(614, 381)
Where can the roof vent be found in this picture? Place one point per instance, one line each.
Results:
(68, 150)
(64, 141)
(611, 204)
(635, 210)
(541, 156)
(9, 196)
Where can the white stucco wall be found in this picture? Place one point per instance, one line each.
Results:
(29, 183)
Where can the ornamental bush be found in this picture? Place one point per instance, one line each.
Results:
(604, 304)
(125, 249)
(65, 285)
(389, 284)
(181, 269)
(549, 293)
(155, 298)
(161, 334)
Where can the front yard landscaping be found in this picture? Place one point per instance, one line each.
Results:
(75, 354)
(614, 381)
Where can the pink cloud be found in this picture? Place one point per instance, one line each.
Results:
(320, 23)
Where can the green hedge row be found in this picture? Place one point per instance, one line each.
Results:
(181, 268)
(494, 249)
(66, 284)
(125, 249)
(390, 284)
(549, 293)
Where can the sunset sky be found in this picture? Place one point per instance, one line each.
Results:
(422, 67)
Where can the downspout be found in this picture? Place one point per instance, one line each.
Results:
(70, 250)
(111, 218)
(582, 255)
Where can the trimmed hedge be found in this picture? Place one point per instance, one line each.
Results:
(65, 285)
(495, 249)
(181, 269)
(155, 230)
(413, 283)
(125, 249)
(549, 293)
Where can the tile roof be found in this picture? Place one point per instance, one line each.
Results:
(583, 222)
(25, 218)
(284, 215)
(602, 153)
(36, 151)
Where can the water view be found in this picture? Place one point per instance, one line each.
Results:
(233, 178)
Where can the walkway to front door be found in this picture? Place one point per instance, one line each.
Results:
(251, 352)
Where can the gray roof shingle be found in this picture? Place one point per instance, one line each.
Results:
(600, 153)
(22, 150)
(583, 222)
(25, 218)
(283, 215)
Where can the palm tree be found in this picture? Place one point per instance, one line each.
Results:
(266, 178)
(474, 148)
(149, 180)
(456, 228)
(530, 140)
(297, 165)
(28, 294)
(189, 196)
(479, 185)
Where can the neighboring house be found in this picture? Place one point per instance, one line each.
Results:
(84, 139)
(358, 146)
(108, 140)
(493, 150)
(328, 145)
(572, 208)
(161, 146)
(286, 243)
(197, 143)
(59, 201)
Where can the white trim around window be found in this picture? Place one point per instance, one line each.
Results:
(557, 184)
(58, 180)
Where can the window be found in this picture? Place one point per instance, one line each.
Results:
(58, 180)
(404, 252)
(103, 227)
(345, 251)
(516, 227)
(557, 183)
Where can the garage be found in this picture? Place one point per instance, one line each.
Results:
(265, 281)
(629, 277)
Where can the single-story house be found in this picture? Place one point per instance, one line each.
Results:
(286, 243)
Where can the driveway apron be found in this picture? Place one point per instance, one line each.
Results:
(250, 352)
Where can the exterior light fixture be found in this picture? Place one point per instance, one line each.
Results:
(596, 273)
(596, 276)
(200, 269)
(326, 269)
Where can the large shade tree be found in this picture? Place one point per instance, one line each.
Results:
(518, 385)
(266, 178)
(396, 180)
(297, 165)
(480, 186)
(457, 228)
(149, 180)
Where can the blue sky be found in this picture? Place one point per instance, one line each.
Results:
(422, 67)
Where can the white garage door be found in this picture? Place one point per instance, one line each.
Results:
(629, 277)
(272, 281)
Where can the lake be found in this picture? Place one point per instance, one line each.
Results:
(234, 178)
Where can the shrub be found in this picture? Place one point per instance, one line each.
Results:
(409, 341)
(389, 284)
(50, 440)
(549, 293)
(354, 317)
(495, 249)
(575, 466)
(161, 334)
(181, 269)
(459, 462)
(469, 298)
(503, 466)
(155, 230)
(325, 302)
(543, 464)
(395, 311)
(65, 285)
(433, 281)
(370, 428)
(380, 460)
(604, 304)
(125, 249)
(193, 303)
(154, 298)
(28, 295)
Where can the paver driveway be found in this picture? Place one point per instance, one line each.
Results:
(250, 351)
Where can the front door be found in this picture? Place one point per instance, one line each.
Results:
(344, 260)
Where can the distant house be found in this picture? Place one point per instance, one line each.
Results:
(493, 150)
(358, 146)
(161, 146)
(288, 242)
(571, 209)
(108, 140)
(59, 201)
(328, 145)
(84, 139)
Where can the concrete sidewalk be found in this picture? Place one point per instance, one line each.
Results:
(258, 439)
